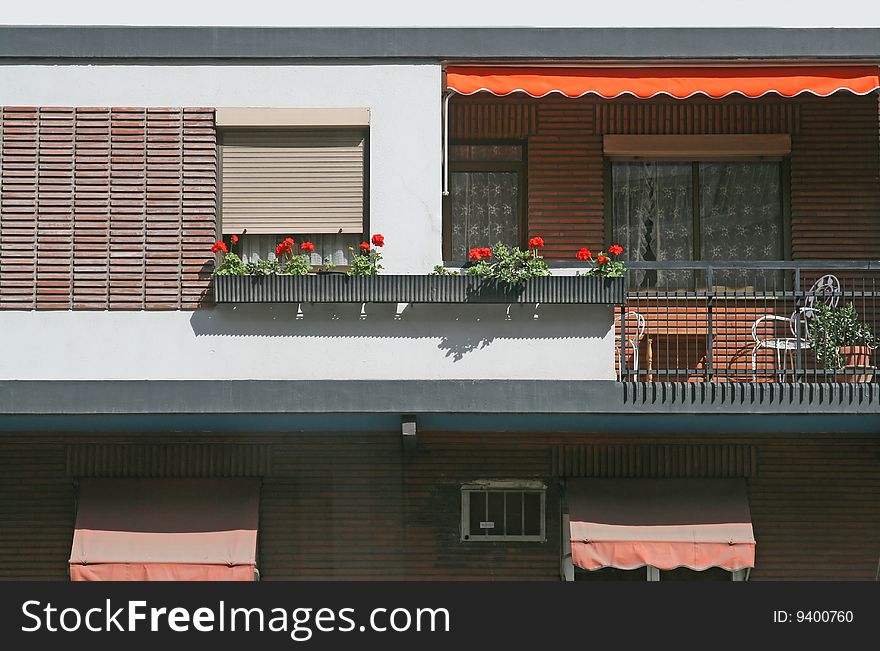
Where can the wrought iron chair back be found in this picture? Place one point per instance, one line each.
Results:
(640, 326)
(826, 290)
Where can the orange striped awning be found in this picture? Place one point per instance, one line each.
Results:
(678, 82)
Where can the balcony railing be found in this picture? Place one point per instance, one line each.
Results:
(746, 321)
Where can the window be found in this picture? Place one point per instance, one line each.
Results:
(305, 183)
(509, 511)
(485, 202)
(697, 210)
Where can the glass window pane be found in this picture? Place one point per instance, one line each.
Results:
(484, 210)
(532, 508)
(496, 514)
(652, 209)
(514, 513)
(477, 513)
(741, 217)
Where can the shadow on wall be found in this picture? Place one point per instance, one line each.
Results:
(460, 329)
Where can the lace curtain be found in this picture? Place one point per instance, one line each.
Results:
(740, 218)
(653, 217)
(485, 210)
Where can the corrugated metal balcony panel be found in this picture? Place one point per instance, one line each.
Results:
(338, 288)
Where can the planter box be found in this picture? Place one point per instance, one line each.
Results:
(334, 288)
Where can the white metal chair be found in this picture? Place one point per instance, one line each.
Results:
(825, 290)
(641, 325)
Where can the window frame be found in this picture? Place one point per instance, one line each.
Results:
(696, 234)
(519, 167)
(484, 487)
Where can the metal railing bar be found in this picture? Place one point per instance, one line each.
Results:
(769, 265)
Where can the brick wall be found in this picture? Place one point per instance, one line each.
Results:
(106, 208)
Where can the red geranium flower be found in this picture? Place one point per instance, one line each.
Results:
(307, 246)
(615, 249)
(379, 240)
(365, 247)
(234, 239)
(584, 254)
(602, 259)
(220, 245)
(476, 254)
(487, 252)
(284, 247)
(536, 242)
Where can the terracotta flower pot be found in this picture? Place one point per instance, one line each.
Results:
(856, 357)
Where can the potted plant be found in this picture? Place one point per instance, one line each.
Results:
(841, 340)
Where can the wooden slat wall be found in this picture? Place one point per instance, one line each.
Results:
(353, 510)
(698, 116)
(333, 510)
(835, 193)
(106, 208)
(36, 512)
(835, 182)
(493, 120)
(169, 460)
(565, 178)
(670, 461)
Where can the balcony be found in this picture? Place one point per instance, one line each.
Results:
(746, 322)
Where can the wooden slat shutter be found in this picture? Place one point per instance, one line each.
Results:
(293, 181)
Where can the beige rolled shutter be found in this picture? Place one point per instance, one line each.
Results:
(277, 181)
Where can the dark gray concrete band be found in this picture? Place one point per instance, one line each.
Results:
(230, 43)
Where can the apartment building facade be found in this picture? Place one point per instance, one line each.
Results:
(683, 422)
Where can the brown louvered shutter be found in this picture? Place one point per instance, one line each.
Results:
(293, 181)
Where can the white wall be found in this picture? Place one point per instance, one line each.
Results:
(312, 341)
(405, 13)
(405, 129)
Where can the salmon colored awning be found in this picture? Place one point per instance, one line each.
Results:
(664, 523)
(678, 82)
(165, 530)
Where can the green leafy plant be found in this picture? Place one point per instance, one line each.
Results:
(440, 270)
(833, 328)
(230, 266)
(286, 262)
(368, 261)
(507, 264)
(604, 265)
(290, 263)
(297, 265)
(260, 267)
